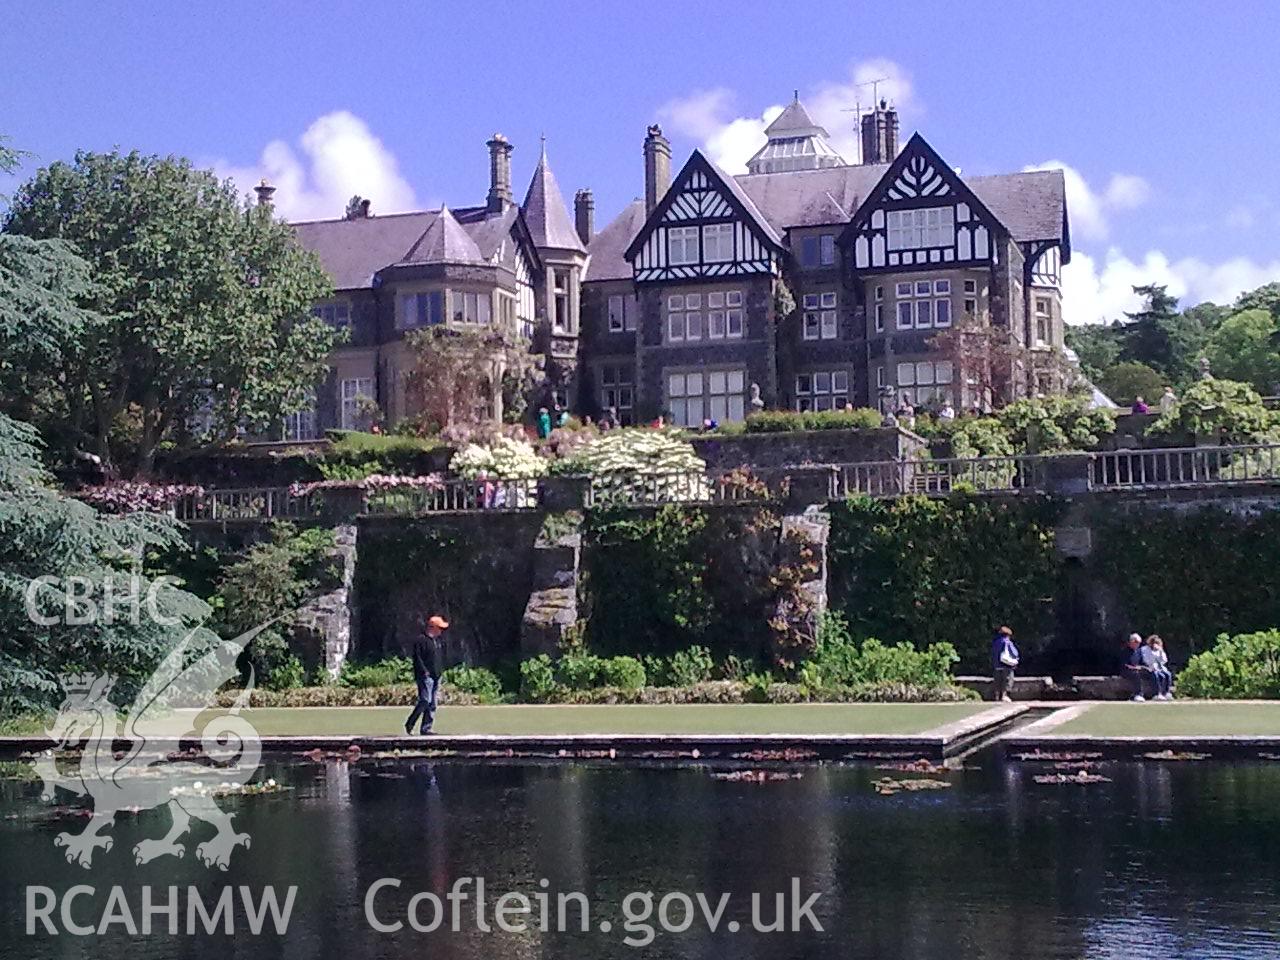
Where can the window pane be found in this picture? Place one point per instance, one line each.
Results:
(733, 321)
(736, 379)
(811, 301)
(829, 327)
(903, 290)
(486, 306)
(811, 326)
(924, 373)
(822, 382)
(676, 302)
(804, 384)
(924, 313)
(922, 288)
(906, 374)
(828, 249)
(715, 299)
(943, 371)
(675, 385)
(718, 408)
(697, 410)
(458, 306)
(692, 301)
(904, 314)
(716, 379)
(828, 299)
(733, 298)
(694, 383)
(840, 381)
(942, 313)
(675, 326)
(679, 413)
(693, 326)
(942, 286)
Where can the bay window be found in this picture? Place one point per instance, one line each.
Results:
(693, 397)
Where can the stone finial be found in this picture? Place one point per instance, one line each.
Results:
(265, 191)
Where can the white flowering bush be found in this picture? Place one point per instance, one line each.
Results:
(639, 464)
(504, 459)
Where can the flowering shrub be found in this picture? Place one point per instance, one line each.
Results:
(634, 450)
(504, 459)
(134, 497)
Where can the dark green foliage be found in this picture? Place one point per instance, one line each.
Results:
(1191, 576)
(1162, 338)
(943, 571)
(267, 585)
(661, 582)
(1218, 410)
(479, 682)
(838, 660)
(46, 534)
(1241, 667)
(384, 673)
(1097, 345)
(1122, 382)
(789, 421)
(352, 454)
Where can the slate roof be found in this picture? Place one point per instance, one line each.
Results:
(352, 251)
(793, 121)
(1031, 205)
(544, 211)
(444, 241)
(607, 248)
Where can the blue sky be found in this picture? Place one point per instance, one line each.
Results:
(1163, 112)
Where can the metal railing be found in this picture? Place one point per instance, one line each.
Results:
(451, 496)
(250, 503)
(1184, 467)
(894, 478)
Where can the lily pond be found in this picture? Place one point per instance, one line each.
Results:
(1157, 860)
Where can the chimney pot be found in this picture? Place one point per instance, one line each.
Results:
(584, 214)
(657, 166)
(499, 174)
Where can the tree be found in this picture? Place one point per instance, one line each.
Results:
(1245, 348)
(44, 534)
(1159, 336)
(205, 304)
(1125, 381)
(985, 358)
(1224, 410)
(1097, 345)
(1266, 297)
(355, 208)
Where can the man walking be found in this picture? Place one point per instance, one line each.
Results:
(426, 674)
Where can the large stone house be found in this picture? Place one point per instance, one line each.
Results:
(677, 305)
(514, 267)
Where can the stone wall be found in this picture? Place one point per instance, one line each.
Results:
(767, 450)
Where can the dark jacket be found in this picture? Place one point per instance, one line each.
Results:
(426, 658)
(999, 644)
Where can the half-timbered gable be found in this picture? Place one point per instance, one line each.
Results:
(921, 214)
(704, 227)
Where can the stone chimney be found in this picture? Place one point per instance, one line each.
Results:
(584, 215)
(657, 166)
(499, 173)
(264, 190)
(880, 134)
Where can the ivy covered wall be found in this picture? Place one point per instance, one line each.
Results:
(953, 570)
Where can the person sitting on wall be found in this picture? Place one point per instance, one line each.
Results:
(426, 674)
(1156, 661)
(1135, 673)
(1004, 663)
(1140, 405)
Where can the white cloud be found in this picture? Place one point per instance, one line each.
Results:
(1090, 294)
(340, 157)
(708, 116)
(1088, 208)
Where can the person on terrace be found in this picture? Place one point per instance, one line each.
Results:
(1135, 672)
(1156, 660)
(1004, 663)
(426, 674)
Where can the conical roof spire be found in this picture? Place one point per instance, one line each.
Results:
(545, 212)
(445, 241)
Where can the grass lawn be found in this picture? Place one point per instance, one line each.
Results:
(822, 718)
(1181, 718)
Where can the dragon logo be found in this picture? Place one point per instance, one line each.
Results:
(149, 771)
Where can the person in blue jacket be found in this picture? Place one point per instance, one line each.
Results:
(1004, 663)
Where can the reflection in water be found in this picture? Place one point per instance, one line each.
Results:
(1168, 860)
